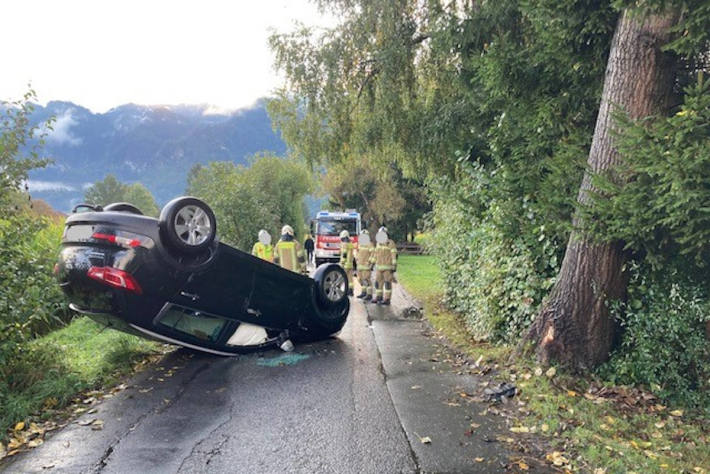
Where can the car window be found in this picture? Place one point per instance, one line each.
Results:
(203, 326)
(335, 227)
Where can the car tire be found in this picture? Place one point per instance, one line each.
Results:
(188, 225)
(123, 207)
(331, 285)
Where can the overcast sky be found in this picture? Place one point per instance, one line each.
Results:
(103, 53)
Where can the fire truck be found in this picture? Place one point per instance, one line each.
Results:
(326, 229)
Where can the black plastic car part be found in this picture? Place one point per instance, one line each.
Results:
(123, 207)
(188, 225)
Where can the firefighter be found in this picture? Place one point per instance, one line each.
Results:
(347, 258)
(364, 254)
(385, 264)
(263, 248)
(288, 252)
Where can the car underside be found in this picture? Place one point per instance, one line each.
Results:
(170, 279)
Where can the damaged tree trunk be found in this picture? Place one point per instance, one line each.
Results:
(574, 327)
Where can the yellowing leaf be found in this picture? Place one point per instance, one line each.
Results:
(571, 393)
(551, 372)
(544, 427)
(677, 413)
(3, 451)
(523, 466)
(538, 371)
(35, 442)
(520, 429)
(478, 459)
(610, 420)
(20, 426)
(660, 424)
(425, 440)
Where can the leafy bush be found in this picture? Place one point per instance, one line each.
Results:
(664, 345)
(495, 279)
(31, 302)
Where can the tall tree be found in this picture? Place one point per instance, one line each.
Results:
(112, 190)
(574, 326)
(105, 192)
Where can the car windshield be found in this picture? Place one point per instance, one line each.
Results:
(336, 227)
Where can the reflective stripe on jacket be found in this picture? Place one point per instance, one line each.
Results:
(265, 252)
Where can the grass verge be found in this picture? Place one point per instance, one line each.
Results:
(584, 425)
(52, 370)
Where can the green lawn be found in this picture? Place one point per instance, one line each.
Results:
(583, 431)
(54, 368)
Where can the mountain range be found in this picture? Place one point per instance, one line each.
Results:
(155, 145)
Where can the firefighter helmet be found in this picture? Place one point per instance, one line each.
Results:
(364, 238)
(344, 234)
(264, 237)
(287, 230)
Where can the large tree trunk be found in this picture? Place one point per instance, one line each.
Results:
(574, 327)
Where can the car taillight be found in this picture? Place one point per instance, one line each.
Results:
(115, 277)
(122, 239)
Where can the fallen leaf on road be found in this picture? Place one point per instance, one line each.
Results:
(145, 390)
(97, 425)
(425, 440)
(557, 458)
(47, 466)
(523, 466)
(93, 410)
(479, 459)
(416, 387)
(35, 442)
(220, 390)
(86, 422)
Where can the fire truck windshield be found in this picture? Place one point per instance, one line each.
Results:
(335, 227)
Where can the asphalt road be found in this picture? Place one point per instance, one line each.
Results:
(359, 403)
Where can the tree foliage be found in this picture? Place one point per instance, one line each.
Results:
(266, 195)
(20, 144)
(111, 190)
(493, 105)
(382, 194)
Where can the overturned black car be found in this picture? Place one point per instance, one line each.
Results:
(170, 279)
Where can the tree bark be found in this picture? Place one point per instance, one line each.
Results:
(574, 327)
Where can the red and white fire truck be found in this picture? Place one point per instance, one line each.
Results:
(326, 229)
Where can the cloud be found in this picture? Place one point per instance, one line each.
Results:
(39, 186)
(60, 133)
